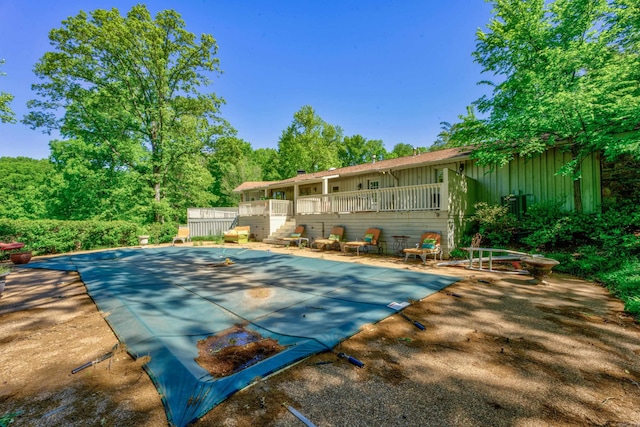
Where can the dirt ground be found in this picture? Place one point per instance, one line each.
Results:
(496, 350)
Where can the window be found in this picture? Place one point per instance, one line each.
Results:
(335, 189)
(439, 175)
(373, 185)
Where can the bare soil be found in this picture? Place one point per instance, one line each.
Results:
(496, 350)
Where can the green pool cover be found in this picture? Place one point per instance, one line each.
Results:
(162, 301)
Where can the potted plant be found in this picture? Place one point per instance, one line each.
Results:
(19, 256)
(143, 236)
(4, 272)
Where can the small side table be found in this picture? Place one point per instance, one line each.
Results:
(399, 243)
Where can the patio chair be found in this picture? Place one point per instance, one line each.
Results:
(182, 236)
(11, 246)
(430, 244)
(296, 237)
(371, 238)
(332, 242)
(238, 234)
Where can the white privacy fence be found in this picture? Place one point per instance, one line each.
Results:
(210, 221)
(211, 213)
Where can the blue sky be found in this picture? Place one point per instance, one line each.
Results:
(383, 69)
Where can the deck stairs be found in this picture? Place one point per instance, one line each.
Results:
(285, 230)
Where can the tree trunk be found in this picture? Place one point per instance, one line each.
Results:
(577, 195)
(159, 218)
(156, 189)
(577, 185)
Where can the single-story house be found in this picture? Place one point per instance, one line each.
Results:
(408, 195)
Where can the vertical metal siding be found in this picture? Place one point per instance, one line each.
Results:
(538, 176)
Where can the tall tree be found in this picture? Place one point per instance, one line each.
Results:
(468, 131)
(356, 150)
(564, 75)
(402, 150)
(231, 164)
(308, 144)
(130, 86)
(6, 114)
(269, 161)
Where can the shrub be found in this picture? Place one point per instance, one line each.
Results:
(603, 246)
(494, 222)
(624, 282)
(547, 226)
(53, 237)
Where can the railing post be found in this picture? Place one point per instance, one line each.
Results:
(444, 190)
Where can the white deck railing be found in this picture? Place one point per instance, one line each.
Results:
(410, 198)
(266, 207)
(211, 213)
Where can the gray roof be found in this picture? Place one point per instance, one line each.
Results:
(382, 165)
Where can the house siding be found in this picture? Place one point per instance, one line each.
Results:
(411, 224)
(537, 178)
(262, 226)
(394, 178)
(534, 178)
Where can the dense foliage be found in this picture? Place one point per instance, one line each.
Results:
(53, 237)
(44, 237)
(562, 72)
(25, 188)
(603, 246)
(125, 92)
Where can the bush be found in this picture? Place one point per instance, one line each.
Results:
(604, 247)
(54, 237)
(162, 233)
(548, 227)
(624, 282)
(494, 222)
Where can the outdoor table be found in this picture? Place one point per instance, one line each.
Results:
(399, 243)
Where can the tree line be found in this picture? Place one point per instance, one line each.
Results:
(143, 138)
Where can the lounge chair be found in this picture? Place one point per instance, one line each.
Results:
(182, 236)
(296, 237)
(430, 244)
(11, 246)
(238, 234)
(332, 242)
(371, 238)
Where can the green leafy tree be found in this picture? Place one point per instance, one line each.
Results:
(231, 164)
(444, 137)
(468, 131)
(25, 187)
(88, 186)
(566, 73)
(268, 160)
(308, 144)
(402, 150)
(356, 150)
(6, 114)
(129, 89)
